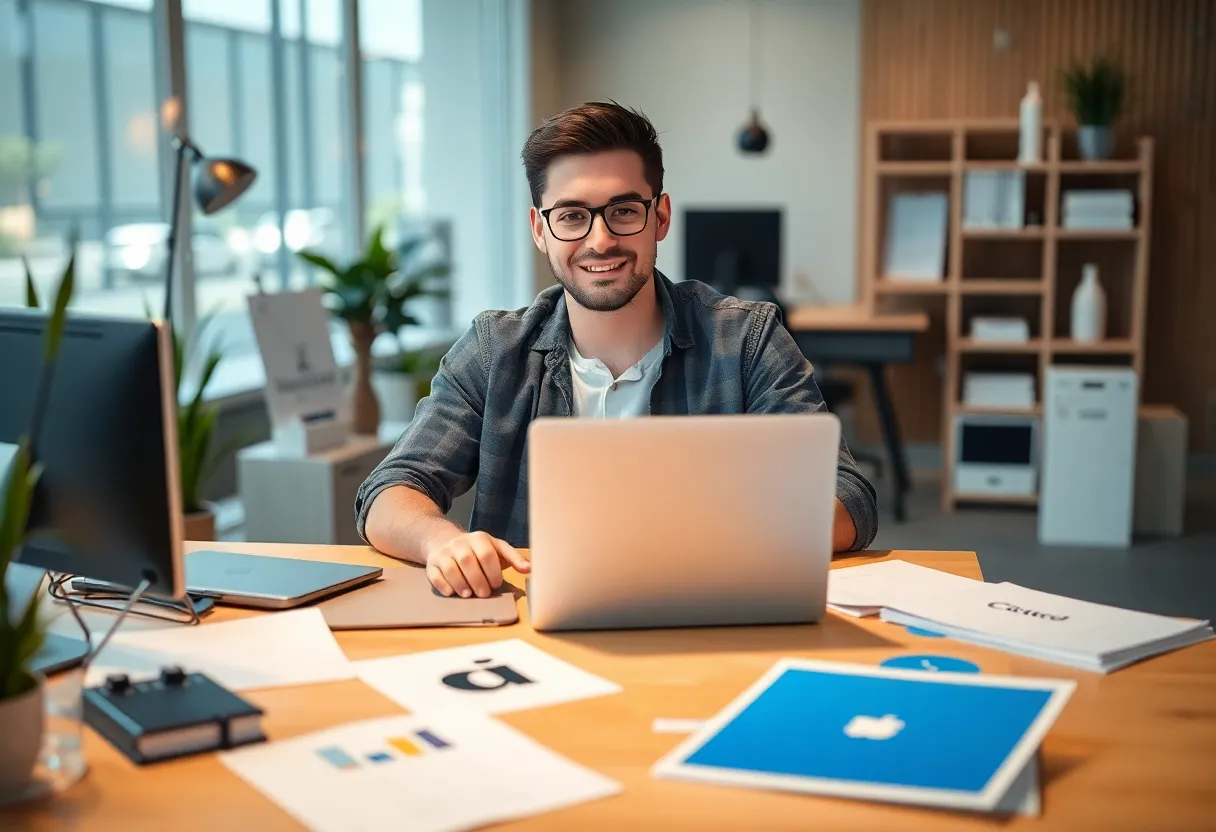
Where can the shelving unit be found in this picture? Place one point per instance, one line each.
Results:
(1029, 271)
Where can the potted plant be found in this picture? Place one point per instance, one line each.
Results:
(195, 433)
(406, 380)
(1095, 96)
(21, 690)
(371, 295)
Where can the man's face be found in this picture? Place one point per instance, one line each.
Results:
(605, 270)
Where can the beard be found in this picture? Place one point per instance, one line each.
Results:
(608, 294)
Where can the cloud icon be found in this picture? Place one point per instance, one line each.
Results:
(874, 727)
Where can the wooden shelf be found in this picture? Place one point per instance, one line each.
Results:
(1042, 262)
(1097, 234)
(1013, 347)
(885, 286)
(1000, 286)
(1030, 233)
(1111, 346)
(1108, 166)
(1010, 499)
(974, 410)
(935, 168)
(1005, 164)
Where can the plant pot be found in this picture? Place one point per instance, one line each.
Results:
(365, 407)
(1095, 143)
(199, 525)
(398, 395)
(21, 725)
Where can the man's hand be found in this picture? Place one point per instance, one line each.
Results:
(471, 564)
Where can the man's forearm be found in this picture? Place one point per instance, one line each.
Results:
(844, 531)
(406, 524)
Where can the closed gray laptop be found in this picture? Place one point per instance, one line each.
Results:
(405, 598)
(270, 583)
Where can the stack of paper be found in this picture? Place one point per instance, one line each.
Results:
(954, 740)
(864, 590)
(1045, 626)
(1110, 209)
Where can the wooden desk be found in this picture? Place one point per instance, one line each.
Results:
(1133, 750)
(854, 335)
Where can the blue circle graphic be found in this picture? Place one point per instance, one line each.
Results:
(917, 631)
(932, 664)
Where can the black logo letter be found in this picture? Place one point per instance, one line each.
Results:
(506, 676)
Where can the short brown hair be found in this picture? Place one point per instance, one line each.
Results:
(593, 127)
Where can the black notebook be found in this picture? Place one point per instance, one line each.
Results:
(172, 716)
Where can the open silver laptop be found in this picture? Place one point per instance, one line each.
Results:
(673, 521)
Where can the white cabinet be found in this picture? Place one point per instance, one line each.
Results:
(308, 499)
(1089, 456)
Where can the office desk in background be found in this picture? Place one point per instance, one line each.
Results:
(1133, 750)
(855, 336)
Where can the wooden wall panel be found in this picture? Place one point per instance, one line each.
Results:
(924, 59)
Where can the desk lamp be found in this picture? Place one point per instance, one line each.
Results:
(218, 183)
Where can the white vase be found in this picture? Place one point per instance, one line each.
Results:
(1089, 307)
(21, 726)
(398, 395)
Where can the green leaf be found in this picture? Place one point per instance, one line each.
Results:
(54, 330)
(31, 291)
(320, 261)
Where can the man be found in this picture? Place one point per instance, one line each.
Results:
(615, 338)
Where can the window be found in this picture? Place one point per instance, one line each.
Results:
(265, 85)
(78, 151)
(84, 148)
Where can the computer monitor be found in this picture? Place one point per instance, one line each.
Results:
(734, 249)
(108, 447)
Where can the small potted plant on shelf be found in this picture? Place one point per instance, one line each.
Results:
(21, 635)
(371, 295)
(1095, 96)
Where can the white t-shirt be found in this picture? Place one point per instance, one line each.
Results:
(598, 395)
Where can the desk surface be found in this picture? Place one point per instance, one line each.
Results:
(853, 318)
(1133, 750)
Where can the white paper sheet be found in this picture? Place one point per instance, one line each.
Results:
(865, 590)
(264, 651)
(495, 677)
(419, 773)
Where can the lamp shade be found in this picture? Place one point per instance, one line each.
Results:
(219, 181)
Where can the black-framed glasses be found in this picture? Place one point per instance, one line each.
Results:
(624, 218)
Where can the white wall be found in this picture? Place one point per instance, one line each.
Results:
(685, 64)
(476, 75)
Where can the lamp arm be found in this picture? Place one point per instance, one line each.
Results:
(180, 144)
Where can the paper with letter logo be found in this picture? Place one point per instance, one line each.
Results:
(953, 740)
(492, 678)
(1050, 627)
(864, 590)
(419, 773)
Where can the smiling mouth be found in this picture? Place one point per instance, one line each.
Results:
(606, 268)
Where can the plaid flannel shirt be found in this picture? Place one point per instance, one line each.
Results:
(722, 355)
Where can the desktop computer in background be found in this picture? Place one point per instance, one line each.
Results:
(108, 447)
(736, 251)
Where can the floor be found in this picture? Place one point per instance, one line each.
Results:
(1166, 576)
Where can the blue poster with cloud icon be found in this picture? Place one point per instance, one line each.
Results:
(881, 733)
